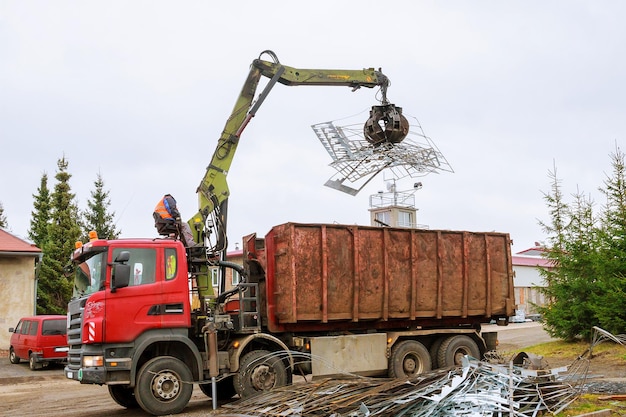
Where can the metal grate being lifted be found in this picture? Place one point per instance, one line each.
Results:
(357, 160)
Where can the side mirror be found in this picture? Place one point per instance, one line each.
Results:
(120, 276)
(11, 329)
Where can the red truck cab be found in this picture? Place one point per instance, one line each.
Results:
(141, 287)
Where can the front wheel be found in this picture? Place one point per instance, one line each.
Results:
(409, 358)
(260, 370)
(123, 395)
(164, 386)
(13, 358)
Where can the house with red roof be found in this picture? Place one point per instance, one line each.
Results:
(18, 282)
(527, 266)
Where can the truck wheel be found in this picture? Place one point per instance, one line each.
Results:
(123, 395)
(225, 389)
(13, 358)
(409, 358)
(453, 349)
(259, 370)
(32, 362)
(164, 386)
(434, 351)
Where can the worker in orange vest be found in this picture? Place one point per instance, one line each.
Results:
(167, 221)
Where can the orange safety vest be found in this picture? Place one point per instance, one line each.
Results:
(162, 211)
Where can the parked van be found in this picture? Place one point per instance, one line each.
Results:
(40, 339)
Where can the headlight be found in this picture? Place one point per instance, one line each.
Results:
(91, 361)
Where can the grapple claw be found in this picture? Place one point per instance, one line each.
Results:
(386, 124)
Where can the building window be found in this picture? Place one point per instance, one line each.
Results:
(405, 219)
(383, 218)
(236, 277)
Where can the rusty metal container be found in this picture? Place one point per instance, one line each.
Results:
(330, 277)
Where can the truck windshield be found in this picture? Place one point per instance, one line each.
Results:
(89, 275)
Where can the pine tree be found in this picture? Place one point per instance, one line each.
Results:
(96, 216)
(3, 219)
(40, 219)
(55, 289)
(558, 211)
(586, 285)
(611, 302)
(573, 246)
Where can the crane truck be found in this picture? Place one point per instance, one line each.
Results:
(315, 299)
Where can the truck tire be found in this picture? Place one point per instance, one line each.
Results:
(123, 395)
(13, 358)
(164, 386)
(409, 358)
(434, 352)
(225, 389)
(453, 349)
(259, 370)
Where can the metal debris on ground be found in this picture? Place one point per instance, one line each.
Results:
(477, 388)
(599, 335)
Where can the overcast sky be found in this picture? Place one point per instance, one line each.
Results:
(139, 92)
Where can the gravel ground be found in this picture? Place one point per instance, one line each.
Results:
(605, 386)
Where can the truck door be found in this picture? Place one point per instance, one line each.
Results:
(136, 308)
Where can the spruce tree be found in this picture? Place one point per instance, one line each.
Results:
(40, 216)
(586, 285)
(558, 211)
(55, 289)
(573, 251)
(611, 301)
(96, 217)
(3, 219)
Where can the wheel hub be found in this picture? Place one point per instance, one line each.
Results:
(263, 378)
(166, 385)
(409, 365)
(458, 356)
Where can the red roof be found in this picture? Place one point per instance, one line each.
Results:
(534, 251)
(530, 261)
(11, 243)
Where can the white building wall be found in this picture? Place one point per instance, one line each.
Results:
(527, 278)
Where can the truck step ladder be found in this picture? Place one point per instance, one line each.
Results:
(249, 307)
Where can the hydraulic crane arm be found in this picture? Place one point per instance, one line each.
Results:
(213, 191)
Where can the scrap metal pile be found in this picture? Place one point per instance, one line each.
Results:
(357, 159)
(477, 388)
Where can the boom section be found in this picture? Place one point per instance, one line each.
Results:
(213, 190)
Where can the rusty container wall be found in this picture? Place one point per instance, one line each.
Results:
(321, 275)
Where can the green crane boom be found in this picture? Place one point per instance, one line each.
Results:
(213, 190)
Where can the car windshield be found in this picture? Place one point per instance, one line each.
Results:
(89, 275)
(54, 327)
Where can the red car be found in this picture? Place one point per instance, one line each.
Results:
(40, 339)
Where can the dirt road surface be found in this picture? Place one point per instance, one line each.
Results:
(47, 393)
(516, 336)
